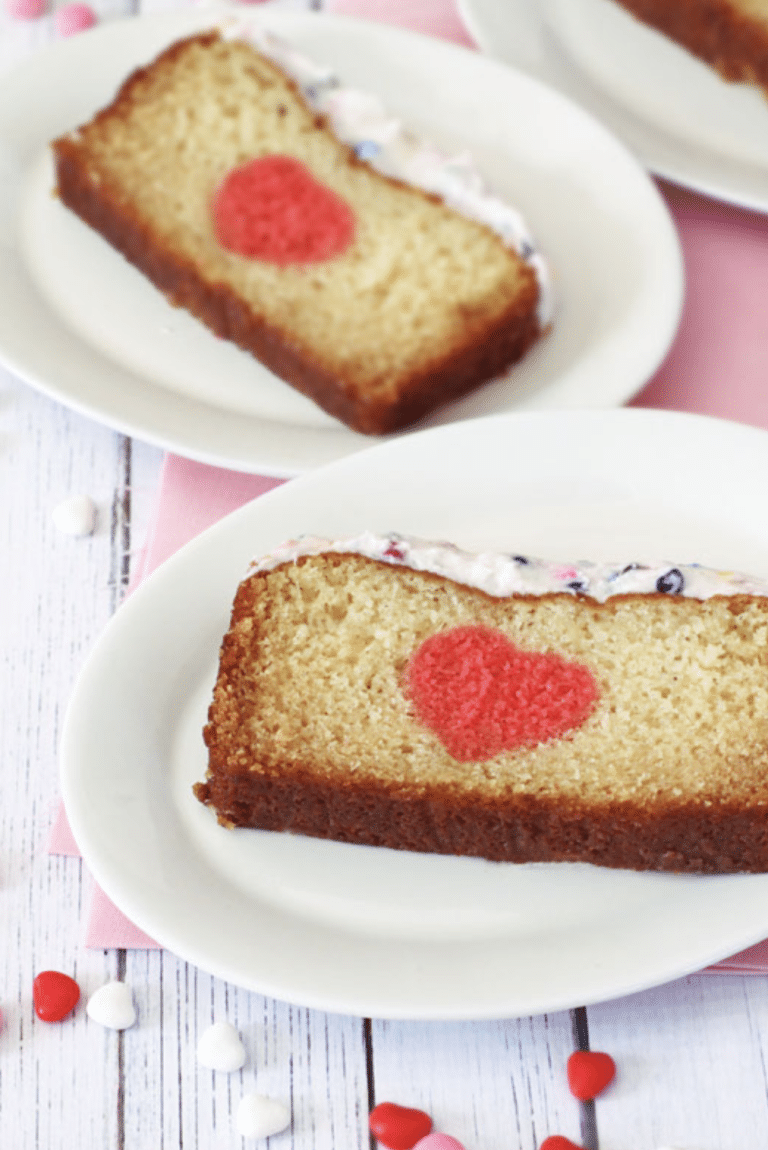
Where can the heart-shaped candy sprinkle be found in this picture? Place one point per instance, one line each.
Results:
(75, 516)
(438, 1142)
(398, 1127)
(54, 995)
(73, 18)
(25, 9)
(558, 1142)
(220, 1048)
(260, 1117)
(481, 694)
(589, 1072)
(273, 209)
(112, 1006)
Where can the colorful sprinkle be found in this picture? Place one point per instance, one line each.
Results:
(54, 995)
(395, 551)
(398, 1127)
(671, 582)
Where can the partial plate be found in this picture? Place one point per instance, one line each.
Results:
(81, 324)
(377, 932)
(679, 118)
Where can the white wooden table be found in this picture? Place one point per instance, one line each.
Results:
(692, 1055)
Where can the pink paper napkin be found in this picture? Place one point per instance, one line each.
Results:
(718, 365)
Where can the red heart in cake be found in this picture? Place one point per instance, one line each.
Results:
(273, 209)
(481, 694)
(398, 1127)
(589, 1072)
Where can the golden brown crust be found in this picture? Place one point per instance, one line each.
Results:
(714, 30)
(683, 838)
(483, 350)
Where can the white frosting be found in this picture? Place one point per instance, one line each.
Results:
(502, 575)
(360, 120)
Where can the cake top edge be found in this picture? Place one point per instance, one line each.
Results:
(503, 574)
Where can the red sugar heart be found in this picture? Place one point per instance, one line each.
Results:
(273, 209)
(397, 1126)
(589, 1072)
(54, 995)
(558, 1142)
(481, 694)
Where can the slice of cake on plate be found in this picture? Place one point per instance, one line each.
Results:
(397, 693)
(296, 219)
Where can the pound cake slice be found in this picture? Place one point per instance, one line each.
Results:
(296, 219)
(393, 692)
(730, 35)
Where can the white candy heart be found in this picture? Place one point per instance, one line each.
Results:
(220, 1048)
(112, 1006)
(259, 1116)
(75, 516)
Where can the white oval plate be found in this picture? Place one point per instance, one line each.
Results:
(80, 323)
(377, 932)
(676, 114)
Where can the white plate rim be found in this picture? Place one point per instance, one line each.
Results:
(613, 368)
(446, 984)
(671, 157)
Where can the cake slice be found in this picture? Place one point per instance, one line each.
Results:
(402, 694)
(730, 35)
(219, 171)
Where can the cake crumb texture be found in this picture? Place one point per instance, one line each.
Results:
(424, 305)
(312, 727)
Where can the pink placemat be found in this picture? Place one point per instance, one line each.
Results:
(718, 365)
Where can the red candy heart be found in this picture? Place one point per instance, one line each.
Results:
(589, 1072)
(481, 694)
(397, 1126)
(54, 995)
(558, 1142)
(273, 209)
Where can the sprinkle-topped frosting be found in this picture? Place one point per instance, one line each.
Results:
(360, 120)
(508, 574)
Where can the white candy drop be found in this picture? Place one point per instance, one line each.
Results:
(219, 1048)
(75, 516)
(260, 1117)
(112, 1006)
